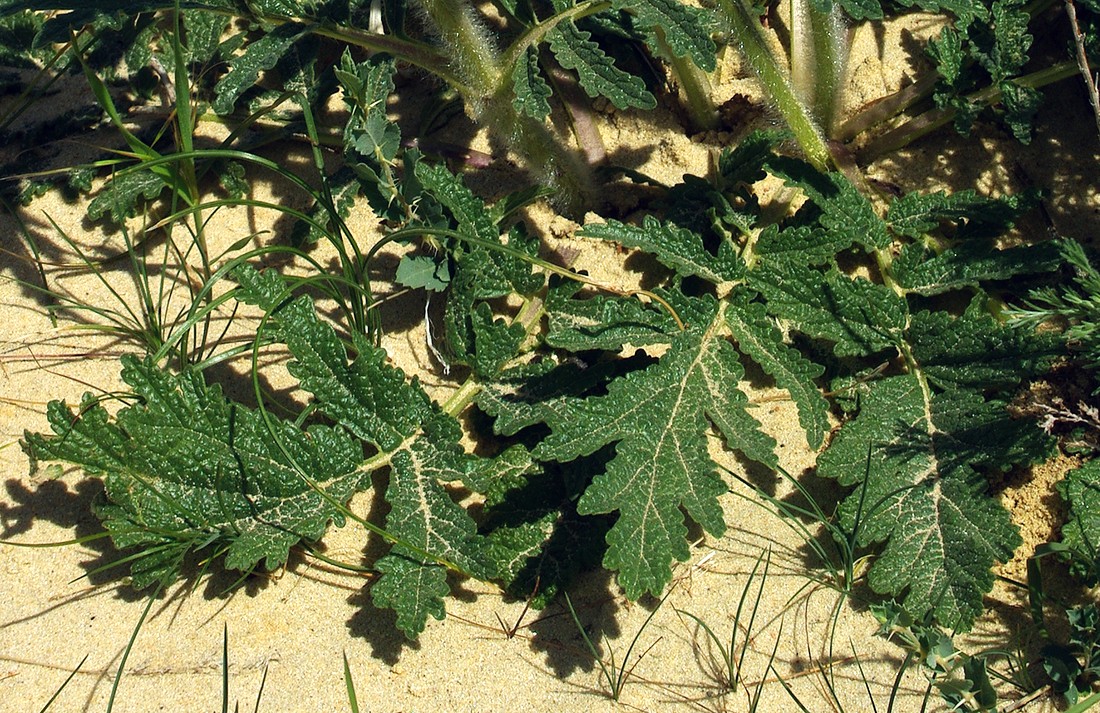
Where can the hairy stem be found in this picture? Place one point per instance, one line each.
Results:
(486, 88)
(819, 53)
(744, 25)
(695, 86)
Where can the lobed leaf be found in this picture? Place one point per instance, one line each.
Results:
(603, 321)
(920, 271)
(843, 208)
(974, 351)
(921, 495)
(1081, 533)
(574, 49)
(376, 402)
(185, 469)
(259, 56)
(860, 317)
(658, 420)
(683, 27)
(677, 248)
(915, 214)
(532, 91)
(758, 336)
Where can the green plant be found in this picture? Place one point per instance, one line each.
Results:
(501, 77)
(732, 657)
(1073, 663)
(961, 679)
(245, 484)
(535, 56)
(600, 456)
(616, 676)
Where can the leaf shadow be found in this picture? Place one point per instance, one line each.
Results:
(54, 502)
(555, 635)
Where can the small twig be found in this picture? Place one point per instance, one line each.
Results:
(1091, 80)
(510, 631)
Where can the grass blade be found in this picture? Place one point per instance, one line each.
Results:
(63, 684)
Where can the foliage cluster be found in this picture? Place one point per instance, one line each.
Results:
(602, 404)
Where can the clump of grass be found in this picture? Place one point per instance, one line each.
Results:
(733, 655)
(615, 675)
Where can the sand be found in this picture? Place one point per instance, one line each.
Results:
(287, 633)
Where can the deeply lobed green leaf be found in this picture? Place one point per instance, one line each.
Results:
(658, 420)
(184, 468)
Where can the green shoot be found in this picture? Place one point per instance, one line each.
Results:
(349, 684)
(731, 656)
(615, 675)
(64, 684)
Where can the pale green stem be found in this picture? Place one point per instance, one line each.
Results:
(486, 87)
(829, 38)
(744, 27)
(468, 44)
(931, 120)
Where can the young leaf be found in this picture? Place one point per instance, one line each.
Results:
(658, 420)
(574, 49)
(423, 271)
(532, 91)
(371, 140)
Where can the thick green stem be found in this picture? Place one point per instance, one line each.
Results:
(819, 53)
(468, 44)
(486, 88)
(744, 26)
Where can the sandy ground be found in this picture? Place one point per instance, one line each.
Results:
(287, 633)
